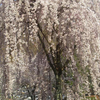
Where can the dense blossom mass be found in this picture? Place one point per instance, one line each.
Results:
(49, 49)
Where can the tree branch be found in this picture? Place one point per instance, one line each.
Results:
(42, 32)
(66, 63)
(53, 58)
(46, 52)
(58, 53)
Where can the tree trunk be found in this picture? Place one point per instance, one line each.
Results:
(58, 91)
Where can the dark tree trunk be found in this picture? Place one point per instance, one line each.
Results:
(58, 91)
